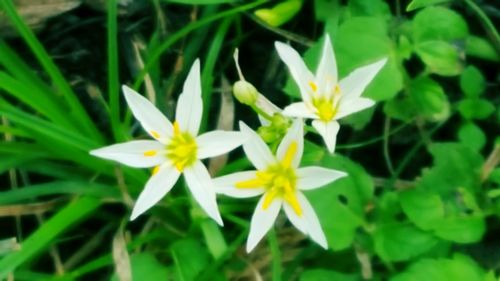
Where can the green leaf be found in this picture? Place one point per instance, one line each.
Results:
(459, 268)
(394, 239)
(401, 241)
(440, 57)
(190, 258)
(471, 135)
(475, 108)
(145, 264)
(429, 99)
(361, 8)
(200, 2)
(417, 4)
(44, 236)
(327, 275)
(326, 9)
(443, 200)
(481, 48)
(472, 82)
(363, 40)
(438, 23)
(280, 13)
(340, 205)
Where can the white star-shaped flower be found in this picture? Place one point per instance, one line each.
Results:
(324, 98)
(281, 182)
(176, 147)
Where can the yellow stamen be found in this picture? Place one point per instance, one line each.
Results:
(268, 199)
(182, 149)
(253, 183)
(291, 199)
(155, 134)
(289, 154)
(155, 170)
(313, 86)
(325, 109)
(336, 90)
(150, 153)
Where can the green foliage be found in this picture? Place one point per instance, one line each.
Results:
(422, 197)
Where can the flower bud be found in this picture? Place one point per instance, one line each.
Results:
(245, 92)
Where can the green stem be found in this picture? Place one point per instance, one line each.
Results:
(490, 27)
(113, 91)
(261, 112)
(272, 238)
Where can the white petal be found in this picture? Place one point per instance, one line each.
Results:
(256, 150)
(157, 186)
(300, 110)
(218, 142)
(267, 106)
(314, 177)
(350, 106)
(132, 153)
(262, 221)
(190, 105)
(199, 182)
(328, 130)
(326, 75)
(226, 185)
(355, 83)
(295, 135)
(151, 119)
(297, 221)
(311, 221)
(297, 67)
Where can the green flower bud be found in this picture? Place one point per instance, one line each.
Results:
(245, 92)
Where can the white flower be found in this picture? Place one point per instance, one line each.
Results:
(280, 181)
(176, 147)
(324, 98)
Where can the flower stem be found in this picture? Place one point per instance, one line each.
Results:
(261, 112)
(272, 239)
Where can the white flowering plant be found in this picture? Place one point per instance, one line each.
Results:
(249, 140)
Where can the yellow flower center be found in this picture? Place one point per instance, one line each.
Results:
(182, 148)
(325, 105)
(279, 180)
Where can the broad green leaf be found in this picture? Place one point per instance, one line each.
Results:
(47, 232)
(190, 258)
(443, 200)
(340, 205)
(439, 23)
(200, 2)
(361, 8)
(440, 57)
(417, 4)
(401, 241)
(145, 264)
(361, 41)
(480, 48)
(405, 48)
(325, 10)
(472, 82)
(429, 99)
(395, 239)
(475, 108)
(327, 275)
(459, 268)
(279, 14)
(471, 135)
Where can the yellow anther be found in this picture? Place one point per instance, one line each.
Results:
(150, 153)
(177, 129)
(252, 183)
(313, 86)
(336, 89)
(155, 170)
(155, 134)
(269, 198)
